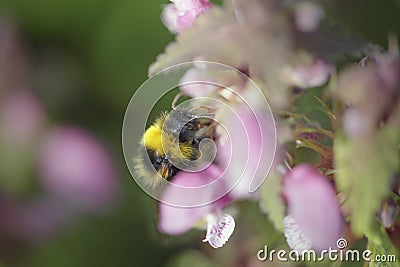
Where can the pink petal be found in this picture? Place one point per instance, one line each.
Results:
(308, 16)
(245, 152)
(388, 213)
(356, 124)
(182, 13)
(196, 83)
(313, 205)
(186, 19)
(313, 75)
(204, 79)
(75, 167)
(175, 220)
(200, 5)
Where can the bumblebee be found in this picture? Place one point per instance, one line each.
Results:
(173, 139)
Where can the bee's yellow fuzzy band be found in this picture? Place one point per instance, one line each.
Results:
(152, 139)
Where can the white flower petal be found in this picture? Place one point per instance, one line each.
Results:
(295, 238)
(219, 229)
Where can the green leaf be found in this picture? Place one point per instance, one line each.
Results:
(271, 201)
(364, 168)
(381, 246)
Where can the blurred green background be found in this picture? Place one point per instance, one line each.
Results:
(85, 60)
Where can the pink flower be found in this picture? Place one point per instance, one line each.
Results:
(245, 142)
(22, 117)
(13, 64)
(388, 213)
(22, 121)
(219, 229)
(316, 74)
(313, 207)
(308, 16)
(371, 93)
(199, 81)
(75, 167)
(356, 124)
(35, 220)
(181, 13)
(177, 220)
(237, 163)
(246, 150)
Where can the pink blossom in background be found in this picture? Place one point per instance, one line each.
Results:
(312, 205)
(181, 13)
(33, 221)
(13, 65)
(22, 117)
(370, 92)
(74, 166)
